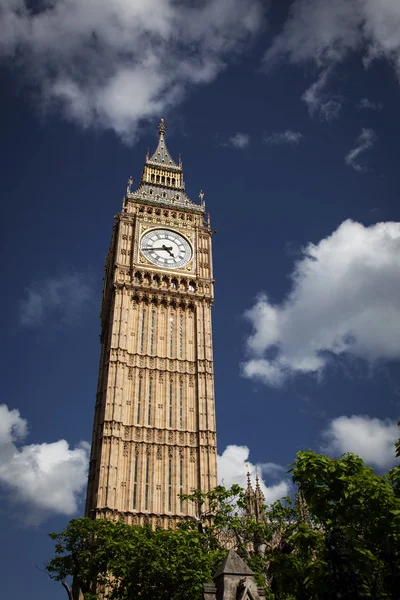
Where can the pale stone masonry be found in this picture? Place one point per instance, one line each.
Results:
(154, 432)
(233, 580)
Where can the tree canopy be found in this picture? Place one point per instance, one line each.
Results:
(337, 537)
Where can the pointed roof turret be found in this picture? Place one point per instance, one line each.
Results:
(162, 180)
(161, 156)
(233, 565)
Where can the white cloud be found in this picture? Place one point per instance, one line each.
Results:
(233, 466)
(288, 137)
(44, 479)
(115, 64)
(344, 302)
(239, 140)
(372, 439)
(318, 100)
(364, 142)
(327, 32)
(366, 104)
(63, 299)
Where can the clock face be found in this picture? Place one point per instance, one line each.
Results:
(166, 248)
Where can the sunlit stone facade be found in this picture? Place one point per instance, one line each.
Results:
(154, 432)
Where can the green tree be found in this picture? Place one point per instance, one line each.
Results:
(338, 537)
(358, 514)
(138, 561)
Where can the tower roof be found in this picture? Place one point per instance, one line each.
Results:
(161, 156)
(233, 565)
(162, 180)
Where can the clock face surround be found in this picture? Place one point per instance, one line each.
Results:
(166, 248)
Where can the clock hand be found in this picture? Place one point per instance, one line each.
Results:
(163, 248)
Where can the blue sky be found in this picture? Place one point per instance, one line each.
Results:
(285, 114)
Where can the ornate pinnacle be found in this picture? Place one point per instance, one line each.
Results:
(258, 488)
(130, 181)
(249, 489)
(162, 128)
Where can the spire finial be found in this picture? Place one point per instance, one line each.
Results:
(162, 128)
(130, 181)
(249, 490)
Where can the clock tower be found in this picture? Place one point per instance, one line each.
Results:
(154, 433)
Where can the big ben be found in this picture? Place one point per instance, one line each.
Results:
(154, 434)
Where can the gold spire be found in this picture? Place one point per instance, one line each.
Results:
(161, 156)
(162, 128)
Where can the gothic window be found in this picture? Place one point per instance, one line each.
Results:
(138, 277)
(163, 180)
(146, 494)
(171, 335)
(180, 336)
(152, 178)
(149, 406)
(139, 400)
(173, 181)
(164, 195)
(170, 404)
(150, 192)
(142, 332)
(168, 181)
(174, 284)
(170, 485)
(180, 407)
(192, 286)
(152, 332)
(135, 472)
(156, 280)
(181, 482)
(158, 179)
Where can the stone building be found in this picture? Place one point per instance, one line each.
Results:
(154, 433)
(233, 580)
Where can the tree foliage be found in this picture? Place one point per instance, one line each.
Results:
(126, 562)
(338, 537)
